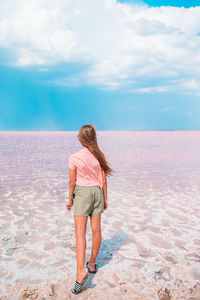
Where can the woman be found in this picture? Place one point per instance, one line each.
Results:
(88, 169)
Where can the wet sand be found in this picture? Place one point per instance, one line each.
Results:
(150, 232)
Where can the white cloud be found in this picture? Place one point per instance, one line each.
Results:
(151, 89)
(192, 84)
(28, 57)
(43, 69)
(68, 81)
(125, 46)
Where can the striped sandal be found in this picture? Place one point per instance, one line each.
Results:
(92, 272)
(78, 286)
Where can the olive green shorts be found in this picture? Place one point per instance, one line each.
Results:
(88, 200)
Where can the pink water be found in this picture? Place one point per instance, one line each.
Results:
(151, 226)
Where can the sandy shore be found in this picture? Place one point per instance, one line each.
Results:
(150, 248)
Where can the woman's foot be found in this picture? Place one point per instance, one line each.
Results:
(91, 266)
(80, 276)
(79, 283)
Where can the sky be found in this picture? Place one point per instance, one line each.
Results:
(122, 65)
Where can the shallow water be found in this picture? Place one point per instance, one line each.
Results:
(151, 227)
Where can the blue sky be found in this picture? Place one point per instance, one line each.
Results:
(175, 3)
(62, 67)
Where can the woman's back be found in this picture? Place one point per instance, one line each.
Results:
(87, 167)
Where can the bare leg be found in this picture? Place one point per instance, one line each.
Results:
(96, 239)
(80, 230)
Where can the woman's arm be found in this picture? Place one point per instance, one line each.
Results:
(72, 183)
(104, 188)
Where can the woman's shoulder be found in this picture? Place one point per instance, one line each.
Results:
(75, 154)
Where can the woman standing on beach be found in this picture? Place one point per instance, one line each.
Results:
(88, 169)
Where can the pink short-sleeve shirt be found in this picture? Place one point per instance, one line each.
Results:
(87, 167)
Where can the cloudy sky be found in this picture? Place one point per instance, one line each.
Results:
(122, 65)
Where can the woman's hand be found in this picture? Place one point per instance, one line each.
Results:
(69, 204)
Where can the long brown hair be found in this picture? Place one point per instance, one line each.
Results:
(87, 137)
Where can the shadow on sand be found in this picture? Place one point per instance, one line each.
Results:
(106, 251)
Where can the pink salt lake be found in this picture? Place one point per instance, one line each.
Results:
(150, 232)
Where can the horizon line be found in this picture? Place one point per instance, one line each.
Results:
(21, 131)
